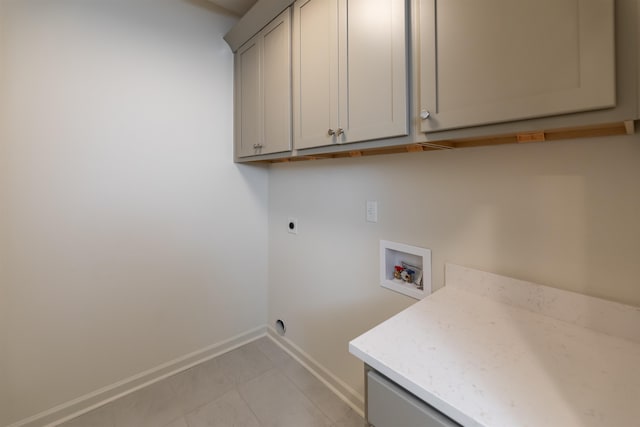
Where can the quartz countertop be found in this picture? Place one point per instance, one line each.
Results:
(487, 350)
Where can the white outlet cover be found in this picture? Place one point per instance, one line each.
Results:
(372, 210)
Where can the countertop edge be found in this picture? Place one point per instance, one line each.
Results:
(429, 398)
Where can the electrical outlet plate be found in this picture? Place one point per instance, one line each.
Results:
(292, 225)
(372, 211)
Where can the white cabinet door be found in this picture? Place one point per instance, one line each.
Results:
(315, 72)
(248, 112)
(490, 61)
(276, 83)
(374, 61)
(389, 405)
(263, 90)
(350, 71)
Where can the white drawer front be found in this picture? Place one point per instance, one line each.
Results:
(389, 405)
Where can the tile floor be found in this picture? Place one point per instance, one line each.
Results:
(256, 385)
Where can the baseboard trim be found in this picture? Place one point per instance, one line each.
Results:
(351, 397)
(93, 400)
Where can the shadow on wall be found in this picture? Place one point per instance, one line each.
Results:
(562, 214)
(125, 220)
(236, 8)
(256, 179)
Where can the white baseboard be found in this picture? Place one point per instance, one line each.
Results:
(90, 401)
(351, 397)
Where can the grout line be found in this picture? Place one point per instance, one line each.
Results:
(306, 361)
(280, 367)
(356, 406)
(249, 406)
(217, 349)
(307, 395)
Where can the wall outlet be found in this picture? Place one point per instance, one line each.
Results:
(372, 210)
(292, 225)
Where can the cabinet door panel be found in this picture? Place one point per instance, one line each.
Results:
(315, 72)
(389, 405)
(492, 61)
(276, 83)
(248, 116)
(375, 70)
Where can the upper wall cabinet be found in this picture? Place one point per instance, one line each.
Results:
(349, 71)
(494, 61)
(263, 90)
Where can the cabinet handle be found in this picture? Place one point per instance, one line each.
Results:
(256, 146)
(424, 114)
(331, 132)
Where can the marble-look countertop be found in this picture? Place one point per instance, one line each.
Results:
(487, 350)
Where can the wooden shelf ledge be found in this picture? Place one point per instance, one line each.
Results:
(609, 129)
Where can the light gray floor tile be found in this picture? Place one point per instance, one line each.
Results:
(244, 363)
(257, 385)
(273, 351)
(330, 404)
(153, 406)
(200, 385)
(352, 419)
(278, 403)
(100, 417)
(180, 422)
(227, 411)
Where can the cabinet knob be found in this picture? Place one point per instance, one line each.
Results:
(339, 131)
(331, 132)
(256, 146)
(424, 114)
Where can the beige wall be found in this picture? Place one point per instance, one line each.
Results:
(4, 399)
(131, 237)
(563, 214)
(128, 237)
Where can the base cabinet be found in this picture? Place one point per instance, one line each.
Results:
(389, 405)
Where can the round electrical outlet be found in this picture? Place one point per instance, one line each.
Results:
(292, 226)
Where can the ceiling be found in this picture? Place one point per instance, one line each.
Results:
(237, 7)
